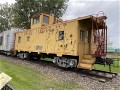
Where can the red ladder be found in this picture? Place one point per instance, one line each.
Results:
(99, 23)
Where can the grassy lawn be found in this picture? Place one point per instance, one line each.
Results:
(24, 78)
(115, 67)
(47, 59)
(106, 68)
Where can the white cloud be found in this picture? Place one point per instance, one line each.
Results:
(9, 1)
(77, 8)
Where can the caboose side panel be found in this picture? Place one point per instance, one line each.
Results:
(50, 39)
(59, 39)
(20, 41)
(34, 41)
(71, 38)
(62, 39)
(28, 40)
(41, 41)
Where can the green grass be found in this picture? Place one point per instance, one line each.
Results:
(115, 67)
(47, 59)
(106, 68)
(24, 78)
(113, 56)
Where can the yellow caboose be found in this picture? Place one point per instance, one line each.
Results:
(72, 43)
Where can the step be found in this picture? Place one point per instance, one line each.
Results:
(87, 61)
(88, 56)
(85, 66)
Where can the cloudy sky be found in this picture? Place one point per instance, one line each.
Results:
(78, 8)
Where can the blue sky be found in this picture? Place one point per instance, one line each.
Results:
(77, 8)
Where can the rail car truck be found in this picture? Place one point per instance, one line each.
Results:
(79, 42)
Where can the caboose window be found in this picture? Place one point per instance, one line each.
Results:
(88, 36)
(19, 39)
(61, 35)
(35, 20)
(45, 19)
(28, 38)
(81, 35)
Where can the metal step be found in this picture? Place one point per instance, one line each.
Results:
(88, 56)
(85, 66)
(87, 61)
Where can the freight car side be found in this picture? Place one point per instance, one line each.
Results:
(7, 41)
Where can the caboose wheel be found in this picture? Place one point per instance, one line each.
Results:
(33, 56)
(65, 62)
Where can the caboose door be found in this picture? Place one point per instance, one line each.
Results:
(87, 41)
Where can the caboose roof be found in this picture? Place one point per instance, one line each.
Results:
(89, 18)
(36, 15)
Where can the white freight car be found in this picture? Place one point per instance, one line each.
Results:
(7, 39)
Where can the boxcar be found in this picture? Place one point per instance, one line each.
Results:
(7, 39)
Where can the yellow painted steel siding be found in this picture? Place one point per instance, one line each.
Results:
(45, 39)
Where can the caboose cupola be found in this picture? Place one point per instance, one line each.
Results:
(39, 20)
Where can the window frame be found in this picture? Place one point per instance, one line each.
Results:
(36, 20)
(61, 35)
(81, 35)
(28, 38)
(19, 39)
(88, 36)
(44, 19)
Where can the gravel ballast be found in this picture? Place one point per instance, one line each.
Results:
(54, 72)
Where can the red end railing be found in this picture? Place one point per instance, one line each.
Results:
(99, 31)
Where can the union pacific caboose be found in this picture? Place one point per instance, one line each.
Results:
(73, 43)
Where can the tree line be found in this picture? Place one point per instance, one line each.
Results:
(19, 13)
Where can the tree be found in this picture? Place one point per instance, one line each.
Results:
(25, 9)
(3, 24)
(6, 16)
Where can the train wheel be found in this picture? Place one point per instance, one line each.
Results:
(31, 56)
(25, 55)
(19, 55)
(36, 57)
(65, 62)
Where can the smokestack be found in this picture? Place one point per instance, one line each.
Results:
(55, 8)
(54, 14)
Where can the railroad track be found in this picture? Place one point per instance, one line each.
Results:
(101, 76)
(104, 74)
